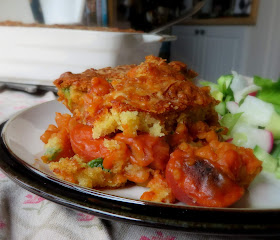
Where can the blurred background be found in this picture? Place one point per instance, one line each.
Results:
(225, 35)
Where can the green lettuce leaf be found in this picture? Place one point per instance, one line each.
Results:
(270, 91)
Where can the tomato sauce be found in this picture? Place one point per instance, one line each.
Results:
(147, 150)
(190, 165)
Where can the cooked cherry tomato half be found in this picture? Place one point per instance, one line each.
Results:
(84, 145)
(197, 181)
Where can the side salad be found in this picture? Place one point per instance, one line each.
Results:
(250, 109)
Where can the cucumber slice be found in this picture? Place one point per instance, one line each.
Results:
(221, 108)
(239, 139)
(274, 125)
(277, 172)
(276, 151)
(269, 163)
(256, 112)
(215, 90)
(224, 82)
(255, 136)
(217, 95)
(232, 107)
(229, 120)
(213, 86)
(229, 98)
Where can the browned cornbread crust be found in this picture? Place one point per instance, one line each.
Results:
(155, 90)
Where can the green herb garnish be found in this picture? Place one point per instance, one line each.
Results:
(66, 92)
(98, 162)
(51, 153)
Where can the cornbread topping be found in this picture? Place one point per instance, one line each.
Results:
(151, 125)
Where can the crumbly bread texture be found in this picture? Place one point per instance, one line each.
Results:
(146, 124)
(129, 122)
(152, 97)
(75, 170)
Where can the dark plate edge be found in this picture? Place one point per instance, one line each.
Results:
(100, 193)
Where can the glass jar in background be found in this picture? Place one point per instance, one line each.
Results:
(60, 12)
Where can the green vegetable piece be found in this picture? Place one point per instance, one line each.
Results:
(265, 82)
(229, 98)
(98, 162)
(51, 153)
(270, 91)
(270, 95)
(239, 139)
(217, 95)
(221, 91)
(224, 83)
(276, 108)
(276, 151)
(277, 172)
(274, 125)
(221, 108)
(215, 91)
(67, 94)
(229, 120)
(213, 86)
(269, 162)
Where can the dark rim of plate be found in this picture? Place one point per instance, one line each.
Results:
(224, 221)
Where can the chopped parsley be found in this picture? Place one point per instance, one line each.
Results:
(66, 92)
(51, 153)
(98, 162)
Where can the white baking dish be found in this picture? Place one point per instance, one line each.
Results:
(45, 53)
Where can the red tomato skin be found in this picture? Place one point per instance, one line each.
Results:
(84, 145)
(100, 86)
(199, 182)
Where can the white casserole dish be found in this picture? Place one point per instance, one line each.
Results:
(44, 53)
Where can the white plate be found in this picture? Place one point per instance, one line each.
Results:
(22, 136)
